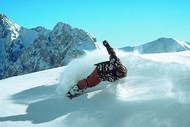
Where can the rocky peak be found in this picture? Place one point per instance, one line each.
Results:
(8, 27)
(4, 21)
(2, 16)
(41, 30)
(30, 50)
(38, 28)
(165, 40)
(62, 29)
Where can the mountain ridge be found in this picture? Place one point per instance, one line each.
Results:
(161, 45)
(29, 50)
(24, 50)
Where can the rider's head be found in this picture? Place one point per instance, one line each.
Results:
(121, 71)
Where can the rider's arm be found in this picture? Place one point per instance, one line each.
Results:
(110, 50)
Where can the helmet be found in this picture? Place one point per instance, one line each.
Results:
(121, 71)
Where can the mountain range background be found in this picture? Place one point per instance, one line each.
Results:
(24, 50)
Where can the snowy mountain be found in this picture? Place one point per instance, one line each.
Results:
(29, 50)
(156, 93)
(25, 50)
(161, 45)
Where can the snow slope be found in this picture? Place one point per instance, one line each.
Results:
(156, 93)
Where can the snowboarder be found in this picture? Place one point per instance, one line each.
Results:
(111, 71)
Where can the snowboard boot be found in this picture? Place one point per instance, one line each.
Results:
(74, 91)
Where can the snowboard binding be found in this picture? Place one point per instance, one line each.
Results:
(74, 92)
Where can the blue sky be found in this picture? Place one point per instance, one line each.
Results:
(121, 22)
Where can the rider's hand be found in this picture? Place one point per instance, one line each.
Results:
(105, 42)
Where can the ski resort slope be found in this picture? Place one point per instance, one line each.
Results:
(156, 93)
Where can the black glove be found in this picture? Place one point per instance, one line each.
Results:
(109, 48)
(105, 43)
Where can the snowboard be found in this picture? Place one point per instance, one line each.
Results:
(69, 96)
(76, 91)
(89, 90)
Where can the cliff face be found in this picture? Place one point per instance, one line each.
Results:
(29, 50)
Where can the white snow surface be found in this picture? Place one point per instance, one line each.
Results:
(156, 93)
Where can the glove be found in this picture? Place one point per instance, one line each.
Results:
(105, 43)
(109, 48)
